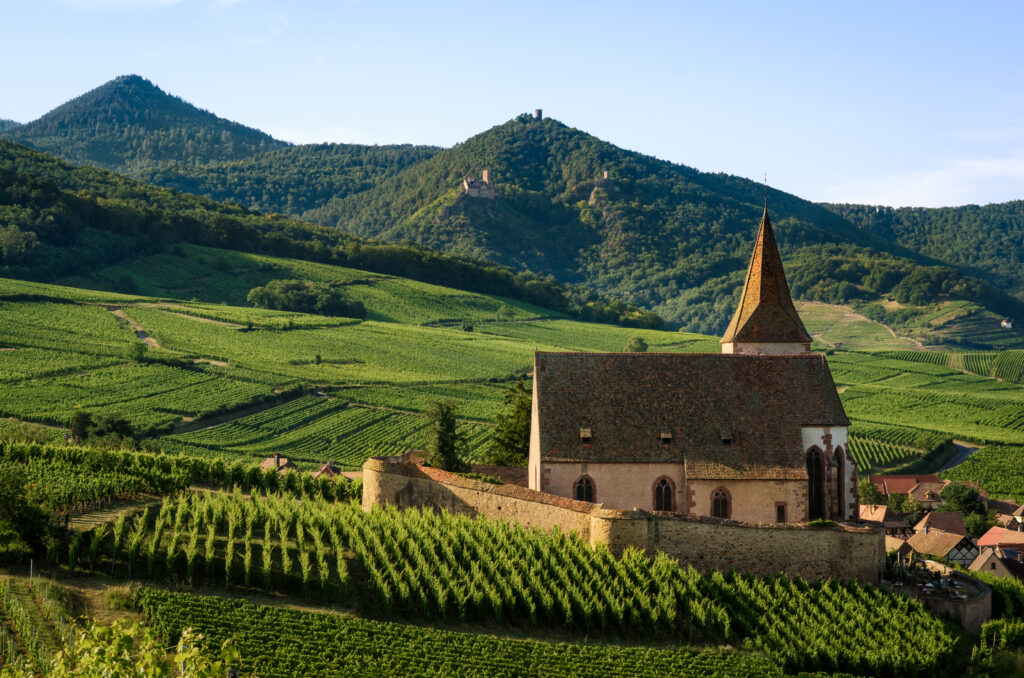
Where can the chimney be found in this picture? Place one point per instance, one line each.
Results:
(277, 460)
(926, 529)
(486, 176)
(538, 114)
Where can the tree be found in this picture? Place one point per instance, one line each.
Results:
(445, 444)
(895, 501)
(80, 423)
(512, 434)
(134, 650)
(869, 493)
(636, 344)
(961, 497)
(911, 510)
(978, 524)
(23, 522)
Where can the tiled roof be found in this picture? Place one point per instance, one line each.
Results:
(947, 521)
(729, 416)
(936, 542)
(901, 484)
(766, 312)
(1002, 506)
(928, 491)
(894, 544)
(282, 463)
(877, 513)
(1000, 536)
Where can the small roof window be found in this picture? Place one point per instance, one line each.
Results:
(585, 435)
(726, 437)
(666, 437)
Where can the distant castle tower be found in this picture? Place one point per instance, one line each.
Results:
(604, 181)
(538, 114)
(480, 189)
(766, 322)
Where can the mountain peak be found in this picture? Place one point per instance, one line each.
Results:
(129, 122)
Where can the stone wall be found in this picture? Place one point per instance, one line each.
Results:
(845, 551)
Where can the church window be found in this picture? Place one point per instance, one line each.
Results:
(584, 489)
(780, 511)
(815, 485)
(841, 481)
(664, 495)
(720, 503)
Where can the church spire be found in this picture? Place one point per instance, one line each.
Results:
(766, 321)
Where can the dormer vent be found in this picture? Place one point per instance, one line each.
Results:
(666, 437)
(727, 437)
(585, 436)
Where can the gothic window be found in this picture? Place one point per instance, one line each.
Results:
(664, 494)
(584, 489)
(720, 503)
(841, 482)
(815, 485)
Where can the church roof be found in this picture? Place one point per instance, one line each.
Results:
(766, 313)
(726, 416)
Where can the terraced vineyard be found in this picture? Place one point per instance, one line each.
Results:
(315, 429)
(997, 468)
(868, 452)
(282, 642)
(438, 566)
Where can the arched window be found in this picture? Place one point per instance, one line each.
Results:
(815, 485)
(584, 489)
(664, 495)
(841, 482)
(720, 503)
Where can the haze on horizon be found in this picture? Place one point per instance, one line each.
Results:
(867, 103)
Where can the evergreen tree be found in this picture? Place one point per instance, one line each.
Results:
(445, 444)
(512, 434)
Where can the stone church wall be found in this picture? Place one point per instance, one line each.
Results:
(842, 551)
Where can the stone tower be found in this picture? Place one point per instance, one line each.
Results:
(766, 321)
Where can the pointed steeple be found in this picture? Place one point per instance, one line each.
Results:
(766, 314)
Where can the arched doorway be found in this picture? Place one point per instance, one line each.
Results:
(815, 484)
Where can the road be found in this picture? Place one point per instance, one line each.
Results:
(963, 450)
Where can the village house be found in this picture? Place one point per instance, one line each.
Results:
(996, 561)
(326, 470)
(955, 548)
(882, 515)
(282, 464)
(947, 521)
(756, 433)
(1002, 538)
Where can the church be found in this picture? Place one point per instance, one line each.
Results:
(756, 433)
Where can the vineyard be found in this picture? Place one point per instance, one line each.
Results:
(870, 452)
(317, 429)
(997, 468)
(439, 567)
(282, 642)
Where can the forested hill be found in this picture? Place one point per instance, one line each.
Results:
(8, 124)
(660, 235)
(129, 123)
(290, 180)
(987, 241)
(58, 220)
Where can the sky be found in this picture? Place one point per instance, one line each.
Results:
(890, 103)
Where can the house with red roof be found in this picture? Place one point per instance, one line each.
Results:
(882, 515)
(953, 547)
(282, 464)
(755, 433)
(901, 484)
(947, 521)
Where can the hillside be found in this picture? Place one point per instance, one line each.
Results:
(660, 235)
(129, 123)
(289, 180)
(58, 220)
(987, 241)
(8, 124)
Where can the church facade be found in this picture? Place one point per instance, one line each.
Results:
(756, 433)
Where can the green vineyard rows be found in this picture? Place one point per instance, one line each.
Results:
(868, 452)
(317, 429)
(282, 642)
(453, 568)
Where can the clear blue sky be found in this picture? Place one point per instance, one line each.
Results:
(899, 103)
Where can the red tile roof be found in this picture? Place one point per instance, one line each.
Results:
(928, 491)
(282, 463)
(757, 403)
(947, 521)
(877, 513)
(901, 484)
(1000, 536)
(766, 312)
